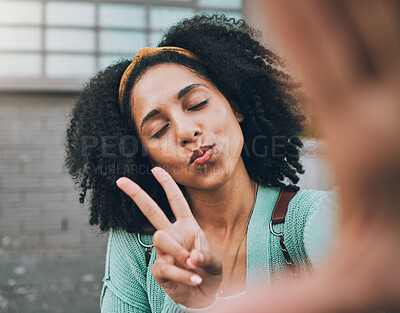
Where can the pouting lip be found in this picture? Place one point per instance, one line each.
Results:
(199, 152)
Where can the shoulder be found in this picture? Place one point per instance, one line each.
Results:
(307, 201)
(128, 243)
(300, 209)
(125, 250)
(303, 204)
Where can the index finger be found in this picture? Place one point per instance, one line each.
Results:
(176, 199)
(146, 204)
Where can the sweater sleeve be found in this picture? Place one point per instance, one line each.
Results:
(124, 288)
(126, 282)
(321, 229)
(300, 208)
(113, 304)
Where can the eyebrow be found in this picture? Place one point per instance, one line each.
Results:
(181, 93)
(149, 116)
(185, 90)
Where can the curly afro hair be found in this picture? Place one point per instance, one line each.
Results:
(102, 145)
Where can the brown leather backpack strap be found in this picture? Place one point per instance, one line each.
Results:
(278, 217)
(281, 206)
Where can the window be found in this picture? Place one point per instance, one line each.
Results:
(69, 40)
(222, 4)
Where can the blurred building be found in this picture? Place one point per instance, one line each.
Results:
(56, 45)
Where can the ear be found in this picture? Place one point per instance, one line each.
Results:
(239, 117)
(236, 110)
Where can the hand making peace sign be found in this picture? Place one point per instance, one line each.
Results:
(185, 267)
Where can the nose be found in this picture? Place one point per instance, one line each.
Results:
(187, 132)
(184, 142)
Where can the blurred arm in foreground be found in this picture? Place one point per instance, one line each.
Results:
(348, 54)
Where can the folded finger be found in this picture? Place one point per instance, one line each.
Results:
(175, 196)
(206, 261)
(146, 204)
(164, 272)
(164, 243)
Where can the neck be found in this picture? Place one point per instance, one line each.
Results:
(225, 206)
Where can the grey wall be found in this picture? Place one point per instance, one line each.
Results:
(39, 207)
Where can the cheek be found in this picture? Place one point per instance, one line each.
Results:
(229, 126)
(152, 151)
(236, 139)
(155, 152)
(163, 152)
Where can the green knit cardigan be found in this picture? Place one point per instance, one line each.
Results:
(129, 285)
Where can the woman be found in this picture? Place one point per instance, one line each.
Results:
(215, 119)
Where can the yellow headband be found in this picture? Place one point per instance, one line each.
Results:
(144, 52)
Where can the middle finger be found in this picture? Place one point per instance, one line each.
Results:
(177, 201)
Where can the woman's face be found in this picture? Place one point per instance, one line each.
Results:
(187, 126)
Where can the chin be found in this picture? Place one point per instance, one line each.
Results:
(208, 178)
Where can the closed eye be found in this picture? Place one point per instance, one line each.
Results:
(160, 132)
(198, 106)
(164, 129)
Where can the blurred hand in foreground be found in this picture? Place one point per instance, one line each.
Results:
(348, 53)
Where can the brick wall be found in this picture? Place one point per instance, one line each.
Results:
(39, 207)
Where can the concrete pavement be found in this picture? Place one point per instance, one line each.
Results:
(57, 282)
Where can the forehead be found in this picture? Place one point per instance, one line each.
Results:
(161, 83)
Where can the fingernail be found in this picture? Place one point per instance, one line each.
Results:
(196, 280)
(126, 185)
(201, 257)
(159, 171)
(189, 263)
(155, 170)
